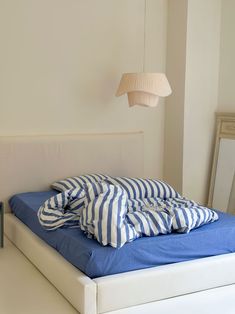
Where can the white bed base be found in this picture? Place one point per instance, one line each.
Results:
(149, 291)
(31, 163)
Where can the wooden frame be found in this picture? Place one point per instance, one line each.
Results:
(225, 128)
(1, 225)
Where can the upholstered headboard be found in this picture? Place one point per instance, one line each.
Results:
(32, 163)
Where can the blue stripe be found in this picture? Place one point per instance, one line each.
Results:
(94, 186)
(83, 181)
(169, 220)
(100, 177)
(101, 209)
(156, 185)
(63, 185)
(82, 218)
(124, 187)
(71, 182)
(177, 218)
(94, 178)
(56, 201)
(46, 213)
(205, 216)
(146, 188)
(119, 230)
(159, 229)
(164, 221)
(139, 221)
(49, 204)
(170, 190)
(151, 187)
(63, 201)
(198, 217)
(93, 209)
(86, 188)
(109, 221)
(86, 210)
(164, 190)
(185, 217)
(194, 220)
(78, 182)
(88, 178)
(49, 222)
(139, 188)
(151, 232)
(128, 181)
(127, 228)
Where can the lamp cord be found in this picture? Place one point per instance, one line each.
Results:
(145, 13)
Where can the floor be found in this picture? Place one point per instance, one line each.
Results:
(24, 290)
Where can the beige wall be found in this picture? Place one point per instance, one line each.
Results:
(61, 61)
(227, 59)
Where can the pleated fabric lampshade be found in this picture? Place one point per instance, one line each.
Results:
(144, 89)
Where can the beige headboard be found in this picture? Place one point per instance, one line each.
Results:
(32, 163)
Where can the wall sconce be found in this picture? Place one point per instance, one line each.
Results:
(144, 89)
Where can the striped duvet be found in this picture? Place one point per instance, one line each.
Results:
(119, 210)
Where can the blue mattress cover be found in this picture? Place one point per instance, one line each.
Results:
(96, 260)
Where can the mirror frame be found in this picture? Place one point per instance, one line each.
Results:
(225, 128)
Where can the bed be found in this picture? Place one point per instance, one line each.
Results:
(44, 159)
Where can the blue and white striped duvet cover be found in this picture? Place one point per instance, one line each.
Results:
(109, 212)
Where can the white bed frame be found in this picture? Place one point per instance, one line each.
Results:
(32, 163)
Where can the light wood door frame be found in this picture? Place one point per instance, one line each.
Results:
(225, 128)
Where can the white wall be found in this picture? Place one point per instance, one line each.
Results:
(193, 67)
(227, 60)
(201, 95)
(174, 115)
(61, 62)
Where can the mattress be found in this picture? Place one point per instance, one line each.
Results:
(96, 261)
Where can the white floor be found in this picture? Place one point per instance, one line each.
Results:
(24, 290)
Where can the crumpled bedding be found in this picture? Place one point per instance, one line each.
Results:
(104, 212)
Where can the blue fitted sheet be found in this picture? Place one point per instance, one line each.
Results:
(95, 260)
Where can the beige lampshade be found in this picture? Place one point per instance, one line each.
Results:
(144, 89)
